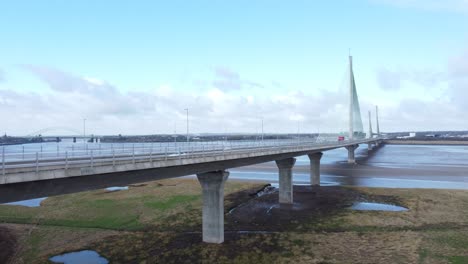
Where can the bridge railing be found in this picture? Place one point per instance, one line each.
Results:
(78, 150)
(91, 156)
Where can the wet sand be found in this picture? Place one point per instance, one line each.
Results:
(422, 163)
(358, 170)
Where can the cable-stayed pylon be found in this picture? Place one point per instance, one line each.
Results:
(355, 121)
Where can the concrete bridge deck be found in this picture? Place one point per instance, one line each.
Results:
(64, 167)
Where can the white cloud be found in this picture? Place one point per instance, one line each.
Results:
(389, 80)
(458, 66)
(447, 107)
(458, 85)
(392, 79)
(227, 79)
(95, 81)
(111, 111)
(108, 110)
(2, 76)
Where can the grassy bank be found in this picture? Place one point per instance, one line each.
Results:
(160, 222)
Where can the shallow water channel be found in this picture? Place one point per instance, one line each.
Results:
(37, 202)
(117, 188)
(28, 203)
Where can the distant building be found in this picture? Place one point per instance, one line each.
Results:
(410, 135)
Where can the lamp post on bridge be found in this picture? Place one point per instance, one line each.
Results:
(377, 120)
(186, 109)
(262, 129)
(84, 130)
(175, 135)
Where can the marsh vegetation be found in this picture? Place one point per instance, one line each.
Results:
(160, 222)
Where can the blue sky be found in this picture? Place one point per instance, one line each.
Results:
(140, 63)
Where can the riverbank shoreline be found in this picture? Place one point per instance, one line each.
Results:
(354, 174)
(426, 142)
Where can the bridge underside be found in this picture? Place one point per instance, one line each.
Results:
(45, 188)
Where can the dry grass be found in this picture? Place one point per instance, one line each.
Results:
(157, 216)
(161, 205)
(71, 222)
(427, 208)
(36, 243)
(354, 247)
(448, 246)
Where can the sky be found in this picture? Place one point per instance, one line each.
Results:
(133, 67)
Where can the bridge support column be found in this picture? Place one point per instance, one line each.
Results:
(351, 158)
(315, 168)
(285, 180)
(369, 146)
(212, 184)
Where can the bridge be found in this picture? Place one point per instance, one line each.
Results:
(55, 134)
(27, 175)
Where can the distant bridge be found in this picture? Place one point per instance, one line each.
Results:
(74, 134)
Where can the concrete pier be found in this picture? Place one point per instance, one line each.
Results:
(315, 168)
(212, 184)
(351, 158)
(285, 180)
(369, 146)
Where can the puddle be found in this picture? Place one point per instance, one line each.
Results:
(116, 188)
(28, 203)
(360, 206)
(80, 257)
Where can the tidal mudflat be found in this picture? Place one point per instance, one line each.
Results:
(160, 222)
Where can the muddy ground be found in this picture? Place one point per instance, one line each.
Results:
(318, 228)
(311, 204)
(257, 229)
(8, 243)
